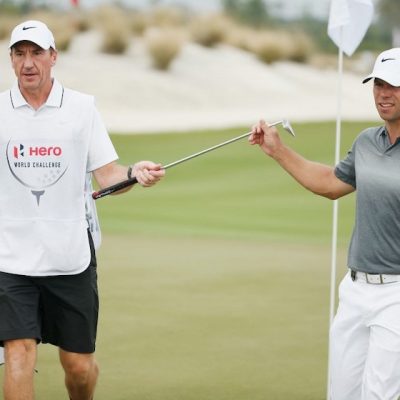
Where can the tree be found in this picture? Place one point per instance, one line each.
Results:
(252, 12)
(8, 7)
(389, 11)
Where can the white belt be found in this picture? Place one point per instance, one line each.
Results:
(374, 279)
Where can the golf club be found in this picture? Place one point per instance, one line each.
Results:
(129, 182)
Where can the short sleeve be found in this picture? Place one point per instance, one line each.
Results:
(101, 149)
(345, 169)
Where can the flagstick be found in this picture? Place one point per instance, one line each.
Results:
(335, 207)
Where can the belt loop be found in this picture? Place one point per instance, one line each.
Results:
(353, 275)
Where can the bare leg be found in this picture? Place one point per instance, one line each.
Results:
(20, 360)
(81, 372)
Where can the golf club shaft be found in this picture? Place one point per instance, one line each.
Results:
(129, 182)
(217, 146)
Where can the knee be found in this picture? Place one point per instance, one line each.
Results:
(82, 370)
(20, 353)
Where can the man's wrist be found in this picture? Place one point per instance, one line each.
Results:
(129, 173)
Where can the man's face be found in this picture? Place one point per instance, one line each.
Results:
(32, 65)
(387, 100)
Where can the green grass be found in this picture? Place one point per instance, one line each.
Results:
(215, 283)
(233, 192)
(199, 319)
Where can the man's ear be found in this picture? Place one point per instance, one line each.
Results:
(54, 55)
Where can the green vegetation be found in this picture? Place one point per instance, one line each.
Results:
(250, 12)
(390, 14)
(377, 38)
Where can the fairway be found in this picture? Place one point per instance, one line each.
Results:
(215, 283)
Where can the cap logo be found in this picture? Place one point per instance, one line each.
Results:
(387, 59)
(25, 28)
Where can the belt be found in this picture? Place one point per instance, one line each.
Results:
(375, 279)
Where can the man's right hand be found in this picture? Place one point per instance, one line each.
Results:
(266, 137)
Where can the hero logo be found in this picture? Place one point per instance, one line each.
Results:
(18, 151)
(37, 164)
(35, 151)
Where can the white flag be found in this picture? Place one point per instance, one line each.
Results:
(348, 23)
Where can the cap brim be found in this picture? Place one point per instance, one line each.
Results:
(391, 81)
(367, 79)
(38, 42)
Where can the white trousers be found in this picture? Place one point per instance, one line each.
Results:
(365, 342)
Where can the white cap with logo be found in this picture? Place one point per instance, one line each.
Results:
(387, 67)
(33, 31)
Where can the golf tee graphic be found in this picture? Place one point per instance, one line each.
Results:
(36, 164)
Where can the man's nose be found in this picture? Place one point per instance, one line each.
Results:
(387, 90)
(28, 62)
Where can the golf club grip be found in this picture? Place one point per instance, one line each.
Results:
(114, 188)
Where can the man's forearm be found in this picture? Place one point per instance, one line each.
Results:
(315, 177)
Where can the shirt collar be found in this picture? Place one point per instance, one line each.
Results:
(383, 133)
(55, 98)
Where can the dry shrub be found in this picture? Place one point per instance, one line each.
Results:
(139, 22)
(7, 24)
(64, 29)
(159, 17)
(81, 21)
(63, 36)
(62, 25)
(360, 63)
(164, 45)
(210, 30)
(302, 47)
(240, 37)
(114, 25)
(116, 38)
(167, 17)
(272, 46)
(323, 61)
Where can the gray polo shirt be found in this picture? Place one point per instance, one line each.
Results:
(372, 166)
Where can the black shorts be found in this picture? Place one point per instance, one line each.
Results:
(61, 310)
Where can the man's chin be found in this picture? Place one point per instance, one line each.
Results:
(28, 85)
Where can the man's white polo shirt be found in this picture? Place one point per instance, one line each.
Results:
(45, 156)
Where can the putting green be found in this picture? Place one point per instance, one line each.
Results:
(207, 319)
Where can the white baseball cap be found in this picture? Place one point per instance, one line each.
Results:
(33, 31)
(387, 67)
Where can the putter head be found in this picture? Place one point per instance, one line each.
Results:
(287, 127)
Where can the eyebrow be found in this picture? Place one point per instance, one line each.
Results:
(32, 46)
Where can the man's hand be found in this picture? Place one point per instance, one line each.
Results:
(266, 137)
(147, 173)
